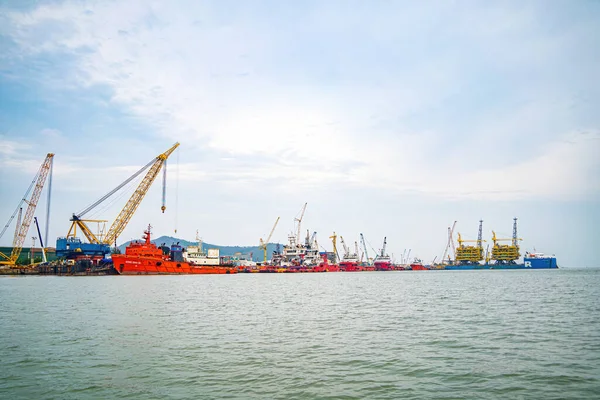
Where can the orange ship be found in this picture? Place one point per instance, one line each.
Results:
(145, 258)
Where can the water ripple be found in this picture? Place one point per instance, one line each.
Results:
(438, 335)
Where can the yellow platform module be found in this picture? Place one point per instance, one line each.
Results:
(506, 253)
(470, 254)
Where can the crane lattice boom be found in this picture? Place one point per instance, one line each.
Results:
(299, 220)
(362, 239)
(136, 198)
(131, 206)
(263, 245)
(346, 250)
(21, 230)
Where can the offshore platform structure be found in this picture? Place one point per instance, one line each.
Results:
(470, 254)
(24, 223)
(506, 253)
(99, 244)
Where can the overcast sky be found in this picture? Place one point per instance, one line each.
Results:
(390, 118)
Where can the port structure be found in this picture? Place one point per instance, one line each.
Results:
(383, 248)
(506, 253)
(99, 245)
(346, 250)
(24, 222)
(335, 251)
(263, 244)
(449, 245)
(37, 225)
(466, 254)
(347, 254)
(368, 260)
(299, 221)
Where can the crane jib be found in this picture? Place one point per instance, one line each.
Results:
(106, 196)
(21, 230)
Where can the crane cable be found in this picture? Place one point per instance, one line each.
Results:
(127, 189)
(176, 189)
(20, 204)
(86, 210)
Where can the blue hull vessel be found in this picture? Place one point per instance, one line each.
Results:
(532, 261)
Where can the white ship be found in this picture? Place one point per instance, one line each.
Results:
(197, 256)
(295, 253)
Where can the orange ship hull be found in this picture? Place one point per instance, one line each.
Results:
(132, 265)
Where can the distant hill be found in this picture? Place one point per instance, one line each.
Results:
(257, 254)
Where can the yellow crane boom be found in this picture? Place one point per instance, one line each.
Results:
(131, 206)
(263, 244)
(23, 225)
(334, 241)
(136, 198)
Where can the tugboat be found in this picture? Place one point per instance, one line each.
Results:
(145, 258)
(417, 265)
(324, 265)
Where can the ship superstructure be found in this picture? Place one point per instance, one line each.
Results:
(383, 262)
(296, 253)
(349, 261)
(197, 256)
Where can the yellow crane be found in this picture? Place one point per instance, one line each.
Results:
(263, 245)
(119, 224)
(335, 252)
(23, 224)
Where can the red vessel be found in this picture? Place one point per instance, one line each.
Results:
(417, 265)
(324, 265)
(144, 258)
(350, 266)
(383, 264)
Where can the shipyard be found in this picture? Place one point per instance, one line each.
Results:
(85, 252)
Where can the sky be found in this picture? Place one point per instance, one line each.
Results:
(389, 118)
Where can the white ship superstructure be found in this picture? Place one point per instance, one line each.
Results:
(197, 256)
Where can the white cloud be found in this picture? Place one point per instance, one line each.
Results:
(51, 134)
(10, 148)
(241, 90)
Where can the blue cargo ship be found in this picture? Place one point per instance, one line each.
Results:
(530, 261)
